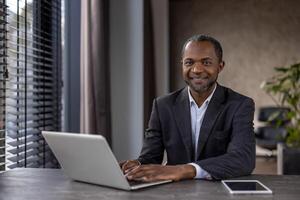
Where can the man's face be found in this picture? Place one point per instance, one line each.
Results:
(200, 66)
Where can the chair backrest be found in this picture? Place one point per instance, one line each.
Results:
(271, 133)
(272, 114)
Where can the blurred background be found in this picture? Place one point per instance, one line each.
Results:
(116, 56)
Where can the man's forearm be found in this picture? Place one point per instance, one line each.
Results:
(200, 173)
(187, 171)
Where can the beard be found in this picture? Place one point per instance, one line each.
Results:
(207, 84)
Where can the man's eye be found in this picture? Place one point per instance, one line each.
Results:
(188, 63)
(206, 63)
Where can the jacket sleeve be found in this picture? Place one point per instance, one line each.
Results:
(239, 159)
(153, 148)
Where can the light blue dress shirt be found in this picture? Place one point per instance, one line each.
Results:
(197, 115)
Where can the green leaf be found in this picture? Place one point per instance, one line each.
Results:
(281, 69)
(285, 88)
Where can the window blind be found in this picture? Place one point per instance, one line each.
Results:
(3, 70)
(33, 86)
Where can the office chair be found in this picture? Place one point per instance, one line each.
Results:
(271, 133)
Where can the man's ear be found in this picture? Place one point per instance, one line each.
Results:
(221, 66)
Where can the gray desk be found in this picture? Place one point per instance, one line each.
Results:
(46, 184)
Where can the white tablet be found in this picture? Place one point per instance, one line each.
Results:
(246, 187)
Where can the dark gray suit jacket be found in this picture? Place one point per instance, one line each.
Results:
(226, 145)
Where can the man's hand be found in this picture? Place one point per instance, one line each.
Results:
(129, 165)
(150, 173)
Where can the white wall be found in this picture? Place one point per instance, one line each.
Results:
(126, 65)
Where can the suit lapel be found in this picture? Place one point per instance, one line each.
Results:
(213, 110)
(181, 109)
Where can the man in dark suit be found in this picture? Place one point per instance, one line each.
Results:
(206, 129)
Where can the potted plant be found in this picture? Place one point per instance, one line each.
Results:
(284, 88)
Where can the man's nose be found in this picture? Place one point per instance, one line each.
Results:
(197, 68)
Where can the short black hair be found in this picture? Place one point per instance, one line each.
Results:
(201, 38)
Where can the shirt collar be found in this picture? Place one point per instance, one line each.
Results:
(192, 101)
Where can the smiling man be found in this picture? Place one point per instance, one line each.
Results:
(206, 129)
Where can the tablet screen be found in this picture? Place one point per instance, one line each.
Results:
(246, 187)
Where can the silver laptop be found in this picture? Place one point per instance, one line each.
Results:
(88, 158)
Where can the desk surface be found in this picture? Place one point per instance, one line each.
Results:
(51, 184)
